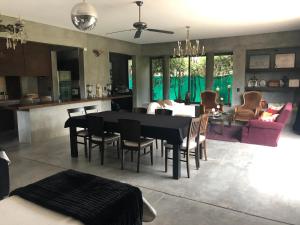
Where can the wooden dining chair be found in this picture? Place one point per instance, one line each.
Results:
(189, 144)
(98, 136)
(139, 110)
(164, 112)
(202, 136)
(131, 140)
(83, 133)
(90, 109)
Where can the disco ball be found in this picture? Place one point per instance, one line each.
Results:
(84, 16)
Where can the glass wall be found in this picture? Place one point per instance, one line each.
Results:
(223, 77)
(187, 75)
(156, 79)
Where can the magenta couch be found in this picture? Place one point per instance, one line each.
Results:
(266, 133)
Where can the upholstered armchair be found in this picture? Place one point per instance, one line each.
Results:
(251, 107)
(209, 100)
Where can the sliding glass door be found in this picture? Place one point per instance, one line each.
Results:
(156, 70)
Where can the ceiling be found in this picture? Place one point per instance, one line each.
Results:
(208, 19)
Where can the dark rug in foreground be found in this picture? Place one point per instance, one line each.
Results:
(230, 133)
(90, 199)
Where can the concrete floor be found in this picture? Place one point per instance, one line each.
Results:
(239, 184)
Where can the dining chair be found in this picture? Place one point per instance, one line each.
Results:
(189, 144)
(83, 133)
(98, 136)
(131, 140)
(202, 135)
(139, 110)
(4, 174)
(90, 109)
(165, 112)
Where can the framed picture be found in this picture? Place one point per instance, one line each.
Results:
(259, 62)
(294, 83)
(285, 60)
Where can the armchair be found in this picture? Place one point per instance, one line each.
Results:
(209, 100)
(251, 107)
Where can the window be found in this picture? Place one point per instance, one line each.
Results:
(223, 77)
(130, 82)
(156, 71)
(187, 75)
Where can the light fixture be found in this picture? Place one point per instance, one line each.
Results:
(190, 49)
(84, 16)
(15, 33)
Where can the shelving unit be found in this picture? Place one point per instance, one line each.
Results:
(272, 89)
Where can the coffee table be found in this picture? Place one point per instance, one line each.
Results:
(220, 118)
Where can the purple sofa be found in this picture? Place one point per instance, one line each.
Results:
(266, 133)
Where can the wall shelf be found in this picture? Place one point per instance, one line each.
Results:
(271, 89)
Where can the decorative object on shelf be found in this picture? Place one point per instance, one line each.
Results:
(84, 16)
(89, 89)
(259, 62)
(285, 60)
(281, 83)
(294, 83)
(285, 80)
(97, 52)
(253, 82)
(190, 49)
(262, 83)
(15, 33)
(98, 91)
(274, 83)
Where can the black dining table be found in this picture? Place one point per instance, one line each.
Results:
(173, 129)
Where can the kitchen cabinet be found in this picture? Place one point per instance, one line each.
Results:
(30, 59)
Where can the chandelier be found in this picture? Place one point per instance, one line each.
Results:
(190, 49)
(15, 33)
(84, 16)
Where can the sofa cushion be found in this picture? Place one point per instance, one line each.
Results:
(284, 113)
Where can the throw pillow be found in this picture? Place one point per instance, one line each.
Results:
(268, 117)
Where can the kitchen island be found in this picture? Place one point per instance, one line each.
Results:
(41, 122)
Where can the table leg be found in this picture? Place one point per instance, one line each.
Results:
(176, 162)
(73, 142)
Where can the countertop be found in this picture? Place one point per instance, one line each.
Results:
(56, 103)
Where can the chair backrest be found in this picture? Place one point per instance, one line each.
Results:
(90, 109)
(139, 110)
(4, 176)
(130, 130)
(79, 110)
(95, 126)
(203, 123)
(193, 130)
(252, 99)
(165, 112)
(209, 99)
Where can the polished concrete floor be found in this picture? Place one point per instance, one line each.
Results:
(239, 184)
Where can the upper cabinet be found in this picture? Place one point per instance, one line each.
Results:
(11, 61)
(30, 59)
(37, 59)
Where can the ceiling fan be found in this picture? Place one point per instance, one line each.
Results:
(141, 26)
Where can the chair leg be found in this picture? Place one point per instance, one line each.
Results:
(166, 159)
(197, 158)
(151, 154)
(131, 152)
(201, 150)
(90, 150)
(205, 153)
(118, 148)
(138, 161)
(102, 153)
(156, 143)
(122, 157)
(188, 163)
(85, 147)
(162, 148)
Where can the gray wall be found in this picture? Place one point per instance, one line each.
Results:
(237, 45)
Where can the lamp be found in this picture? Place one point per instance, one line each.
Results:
(84, 16)
(190, 49)
(15, 33)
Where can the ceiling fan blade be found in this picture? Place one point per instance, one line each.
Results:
(161, 31)
(138, 34)
(119, 31)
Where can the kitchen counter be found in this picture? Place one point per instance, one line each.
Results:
(20, 107)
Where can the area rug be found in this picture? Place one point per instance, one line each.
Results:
(230, 133)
